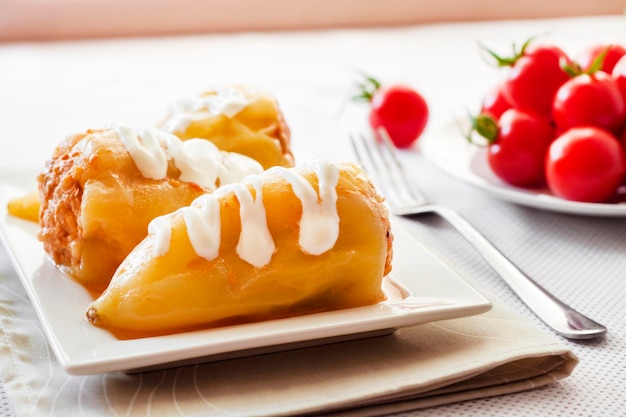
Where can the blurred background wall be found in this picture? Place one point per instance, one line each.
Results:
(22, 20)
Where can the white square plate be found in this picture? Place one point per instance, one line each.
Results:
(420, 289)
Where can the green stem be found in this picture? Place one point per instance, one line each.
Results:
(486, 126)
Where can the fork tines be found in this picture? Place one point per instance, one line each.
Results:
(380, 159)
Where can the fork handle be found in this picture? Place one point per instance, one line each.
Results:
(556, 314)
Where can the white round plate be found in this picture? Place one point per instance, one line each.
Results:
(449, 150)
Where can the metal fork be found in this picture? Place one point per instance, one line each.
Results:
(380, 159)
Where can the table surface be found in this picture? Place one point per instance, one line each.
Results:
(49, 90)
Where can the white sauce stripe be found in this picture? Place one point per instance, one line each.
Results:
(200, 219)
(227, 101)
(319, 224)
(145, 149)
(198, 160)
(255, 245)
(161, 227)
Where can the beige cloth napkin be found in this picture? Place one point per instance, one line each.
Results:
(439, 363)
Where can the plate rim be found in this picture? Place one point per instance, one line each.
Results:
(459, 156)
(251, 338)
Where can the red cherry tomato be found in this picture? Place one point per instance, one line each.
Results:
(535, 77)
(518, 153)
(585, 164)
(495, 102)
(612, 53)
(589, 99)
(619, 75)
(622, 141)
(400, 110)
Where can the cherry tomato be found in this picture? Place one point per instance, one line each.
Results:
(400, 110)
(589, 99)
(518, 153)
(619, 75)
(622, 141)
(535, 77)
(585, 164)
(495, 102)
(612, 53)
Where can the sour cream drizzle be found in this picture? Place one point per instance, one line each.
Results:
(198, 160)
(255, 245)
(227, 101)
(319, 224)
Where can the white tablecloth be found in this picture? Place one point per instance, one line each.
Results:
(48, 90)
